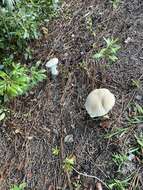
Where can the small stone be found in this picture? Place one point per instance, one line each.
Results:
(55, 131)
(30, 137)
(131, 157)
(128, 40)
(66, 54)
(17, 131)
(139, 97)
(69, 139)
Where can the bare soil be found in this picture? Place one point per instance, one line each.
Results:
(43, 118)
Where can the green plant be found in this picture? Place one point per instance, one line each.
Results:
(16, 79)
(37, 75)
(9, 3)
(45, 8)
(55, 151)
(77, 185)
(137, 116)
(115, 3)
(21, 25)
(19, 187)
(68, 164)
(3, 112)
(136, 83)
(138, 149)
(119, 184)
(28, 53)
(16, 29)
(140, 140)
(117, 132)
(89, 25)
(108, 53)
(119, 159)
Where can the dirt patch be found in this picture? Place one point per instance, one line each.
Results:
(41, 120)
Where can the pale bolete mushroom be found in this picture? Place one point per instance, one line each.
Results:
(99, 102)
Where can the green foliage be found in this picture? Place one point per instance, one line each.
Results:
(77, 185)
(138, 149)
(137, 116)
(89, 25)
(45, 8)
(136, 83)
(22, 24)
(16, 79)
(37, 75)
(17, 27)
(55, 151)
(119, 184)
(119, 159)
(140, 140)
(118, 132)
(3, 112)
(19, 24)
(115, 3)
(68, 164)
(19, 187)
(9, 3)
(108, 53)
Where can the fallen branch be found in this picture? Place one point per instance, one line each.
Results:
(91, 176)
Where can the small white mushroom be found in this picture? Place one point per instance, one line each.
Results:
(99, 102)
(52, 65)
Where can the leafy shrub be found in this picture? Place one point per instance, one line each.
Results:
(22, 24)
(19, 23)
(20, 187)
(109, 52)
(17, 79)
(9, 3)
(45, 8)
(16, 28)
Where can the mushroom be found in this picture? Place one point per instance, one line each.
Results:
(52, 65)
(99, 102)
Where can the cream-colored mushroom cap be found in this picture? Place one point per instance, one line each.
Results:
(99, 102)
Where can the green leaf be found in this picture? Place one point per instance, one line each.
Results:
(15, 187)
(3, 75)
(140, 142)
(113, 58)
(108, 41)
(12, 91)
(97, 56)
(2, 116)
(22, 185)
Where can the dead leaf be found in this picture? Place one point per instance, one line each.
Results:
(17, 131)
(105, 124)
(45, 31)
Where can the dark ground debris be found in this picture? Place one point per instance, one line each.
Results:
(41, 120)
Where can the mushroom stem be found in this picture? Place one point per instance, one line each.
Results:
(54, 71)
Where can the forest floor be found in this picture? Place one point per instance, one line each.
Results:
(42, 119)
